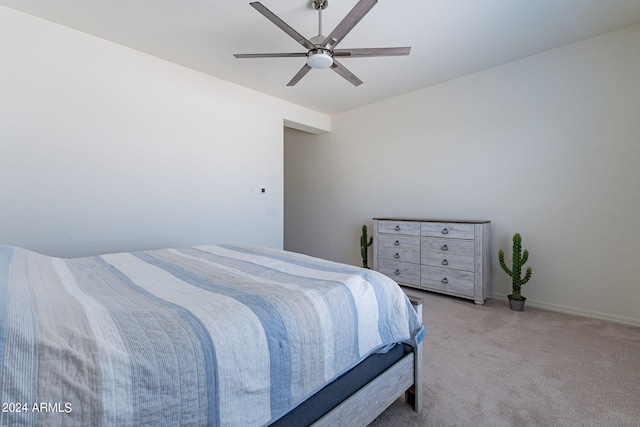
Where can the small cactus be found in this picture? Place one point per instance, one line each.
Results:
(364, 246)
(519, 258)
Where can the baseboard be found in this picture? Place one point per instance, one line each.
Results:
(577, 311)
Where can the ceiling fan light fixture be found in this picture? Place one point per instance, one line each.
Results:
(319, 59)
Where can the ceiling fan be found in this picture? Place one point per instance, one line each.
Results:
(321, 50)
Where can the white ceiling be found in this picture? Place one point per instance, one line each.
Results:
(449, 38)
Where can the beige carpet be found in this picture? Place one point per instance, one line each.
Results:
(490, 366)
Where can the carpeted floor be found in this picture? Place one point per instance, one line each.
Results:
(490, 366)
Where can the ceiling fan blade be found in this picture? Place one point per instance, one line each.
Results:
(269, 55)
(282, 25)
(303, 71)
(342, 70)
(349, 21)
(373, 51)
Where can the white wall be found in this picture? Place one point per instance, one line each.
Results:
(548, 146)
(106, 149)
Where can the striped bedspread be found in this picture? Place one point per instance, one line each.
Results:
(210, 335)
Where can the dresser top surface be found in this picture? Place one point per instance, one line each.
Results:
(457, 221)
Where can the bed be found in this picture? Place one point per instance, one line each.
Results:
(217, 335)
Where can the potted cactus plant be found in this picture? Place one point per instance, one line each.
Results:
(516, 300)
(364, 246)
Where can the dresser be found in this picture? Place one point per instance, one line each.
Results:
(446, 256)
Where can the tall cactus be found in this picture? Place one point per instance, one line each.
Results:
(519, 258)
(364, 246)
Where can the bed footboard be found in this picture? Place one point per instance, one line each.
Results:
(364, 406)
(413, 396)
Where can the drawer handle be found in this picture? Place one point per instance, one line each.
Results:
(397, 272)
(445, 247)
(445, 230)
(396, 256)
(445, 262)
(445, 281)
(396, 243)
(397, 228)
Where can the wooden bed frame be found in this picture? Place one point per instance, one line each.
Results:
(364, 406)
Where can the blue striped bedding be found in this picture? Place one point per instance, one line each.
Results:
(228, 335)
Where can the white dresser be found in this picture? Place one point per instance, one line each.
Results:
(447, 256)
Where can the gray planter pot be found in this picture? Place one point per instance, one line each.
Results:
(516, 304)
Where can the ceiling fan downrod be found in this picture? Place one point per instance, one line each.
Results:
(319, 5)
(319, 57)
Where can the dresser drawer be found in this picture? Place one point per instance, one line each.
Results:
(402, 272)
(448, 280)
(448, 230)
(399, 227)
(445, 260)
(398, 241)
(403, 254)
(448, 246)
